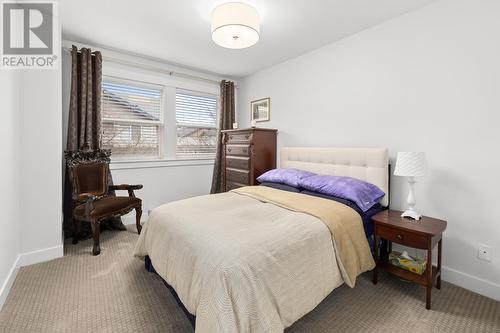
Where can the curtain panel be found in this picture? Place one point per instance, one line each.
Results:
(84, 124)
(226, 120)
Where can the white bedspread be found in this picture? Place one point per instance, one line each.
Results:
(238, 264)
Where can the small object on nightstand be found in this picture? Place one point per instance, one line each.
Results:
(425, 235)
(411, 164)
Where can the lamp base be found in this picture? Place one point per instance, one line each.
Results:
(412, 214)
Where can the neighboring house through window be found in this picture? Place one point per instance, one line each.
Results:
(132, 119)
(196, 116)
(134, 126)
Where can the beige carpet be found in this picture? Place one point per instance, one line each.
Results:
(113, 293)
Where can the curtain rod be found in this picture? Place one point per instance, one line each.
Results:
(154, 68)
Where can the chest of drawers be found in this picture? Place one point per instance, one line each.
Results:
(248, 153)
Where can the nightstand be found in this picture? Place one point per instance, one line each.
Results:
(424, 234)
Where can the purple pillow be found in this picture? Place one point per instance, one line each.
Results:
(290, 177)
(364, 194)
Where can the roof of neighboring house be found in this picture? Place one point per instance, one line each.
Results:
(115, 106)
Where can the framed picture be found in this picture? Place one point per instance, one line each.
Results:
(260, 110)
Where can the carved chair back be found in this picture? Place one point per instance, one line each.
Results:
(89, 171)
(91, 178)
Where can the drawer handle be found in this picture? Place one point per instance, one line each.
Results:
(247, 137)
(243, 178)
(245, 150)
(231, 137)
(228, 149)
(399, 236)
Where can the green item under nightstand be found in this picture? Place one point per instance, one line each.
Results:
(416, 265)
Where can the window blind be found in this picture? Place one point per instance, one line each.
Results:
(132, 118)
(195, 109)
(196, 116)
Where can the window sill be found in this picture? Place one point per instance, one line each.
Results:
(158, 163)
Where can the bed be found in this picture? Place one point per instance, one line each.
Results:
(257, 259)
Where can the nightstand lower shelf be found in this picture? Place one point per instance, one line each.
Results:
(407, 275)
(427, 280)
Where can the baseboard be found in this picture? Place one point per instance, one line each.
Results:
(26, 259)
(461, 279)
(472, 283)
(9, 281)
(37, 256)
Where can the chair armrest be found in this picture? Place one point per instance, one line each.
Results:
(125, 187)
(129, 188)
(88, 199)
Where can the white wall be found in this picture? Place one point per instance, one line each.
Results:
(30, 171)
(164, 183)
(426, 81)
(10, 223)
(41, 197)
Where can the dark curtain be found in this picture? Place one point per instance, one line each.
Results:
(226, 121)
(84, 121)
(84, 124)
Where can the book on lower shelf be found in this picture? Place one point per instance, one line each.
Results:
(414, 265)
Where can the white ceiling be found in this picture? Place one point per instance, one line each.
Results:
(178, 31)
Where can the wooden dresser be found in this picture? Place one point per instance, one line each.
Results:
(248, 153)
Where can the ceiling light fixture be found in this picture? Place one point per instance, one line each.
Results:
(235, 25)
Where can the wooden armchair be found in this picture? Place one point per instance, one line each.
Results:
(92, 193)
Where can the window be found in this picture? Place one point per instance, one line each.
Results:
(196, 115)
(150, 116)
(132, 117)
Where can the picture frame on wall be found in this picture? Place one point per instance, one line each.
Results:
(260, 110)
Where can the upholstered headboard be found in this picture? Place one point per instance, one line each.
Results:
(368, 164)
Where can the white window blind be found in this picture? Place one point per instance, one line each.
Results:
(132, 116)
(196, 116)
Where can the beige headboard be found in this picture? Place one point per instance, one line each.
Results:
(368, 164)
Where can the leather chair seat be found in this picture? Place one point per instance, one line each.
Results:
(108, 205)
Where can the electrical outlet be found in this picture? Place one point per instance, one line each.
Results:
(484, 253)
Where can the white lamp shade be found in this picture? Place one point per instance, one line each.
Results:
(410, 164)
(235, 25)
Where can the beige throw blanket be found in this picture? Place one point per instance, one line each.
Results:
(351, 248)
(242, 264)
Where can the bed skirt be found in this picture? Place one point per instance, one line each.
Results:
(149, 267)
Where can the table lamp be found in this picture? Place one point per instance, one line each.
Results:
(411, 164)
